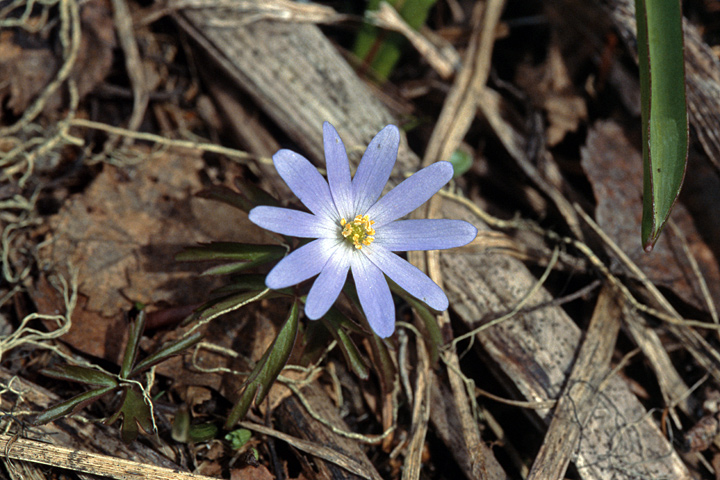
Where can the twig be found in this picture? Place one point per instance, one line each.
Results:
(87, 462)
(315, 449)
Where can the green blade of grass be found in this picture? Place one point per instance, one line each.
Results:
(664, 111)
(258, 384)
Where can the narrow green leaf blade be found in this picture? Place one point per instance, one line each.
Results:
(267, 369)
(76, 373)
(71, 406)
(335, 323)
(250, 281)
(664, 111)
(220, 306)
(231, 251)
(137, 327)
(166, 352)
(248, 197)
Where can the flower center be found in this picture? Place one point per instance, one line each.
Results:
(359, 231)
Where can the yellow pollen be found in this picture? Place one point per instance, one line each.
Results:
(359, 231)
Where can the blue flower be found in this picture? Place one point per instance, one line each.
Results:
(356, 230)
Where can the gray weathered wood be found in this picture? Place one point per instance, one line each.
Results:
(581, 391)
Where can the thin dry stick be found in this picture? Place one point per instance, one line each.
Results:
(442, 61)
(420, 413)
(461, 103)
(167, 142)
(315, 449)
(702, 284)
(455, 118)
(87, 462)
(133, 63)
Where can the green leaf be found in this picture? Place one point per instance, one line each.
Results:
(135, 415)
(268, 368)
(461, 162)
(238, 438)
(383, 361)
(137, 326)
(664, 111)
(241, 283)
(254, 194)
(71, 406)
(226, 304)
(227, 196)
(202, 432)
(180, 431)
(166, 352)
(336, 323)
(231, 251)
(381, 49)
(86, 375)
(249, 196)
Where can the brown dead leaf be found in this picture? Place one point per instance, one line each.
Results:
(550, 87)
(251, 473)
(614, 168)
(24, 72)
(123, 233)
(29, 62)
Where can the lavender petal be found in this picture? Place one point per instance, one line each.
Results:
(305, 262)
(435, 234)
(411, 193)
(338, 171)
(293, 222)
(408, 277)
(374, 170)
(306, 183)
(328, 285)
(374, 295)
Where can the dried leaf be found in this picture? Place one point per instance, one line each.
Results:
(614, 169)
(123, 232)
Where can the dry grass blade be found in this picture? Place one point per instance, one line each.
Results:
(460, 105)
(87, 462)
(133, 63)
(420, 414)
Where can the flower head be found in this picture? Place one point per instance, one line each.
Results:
(356, 230)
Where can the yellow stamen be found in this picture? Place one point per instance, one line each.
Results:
(359, 231)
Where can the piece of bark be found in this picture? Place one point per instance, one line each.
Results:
(293, 73)
(581, 390)
(535, 351)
